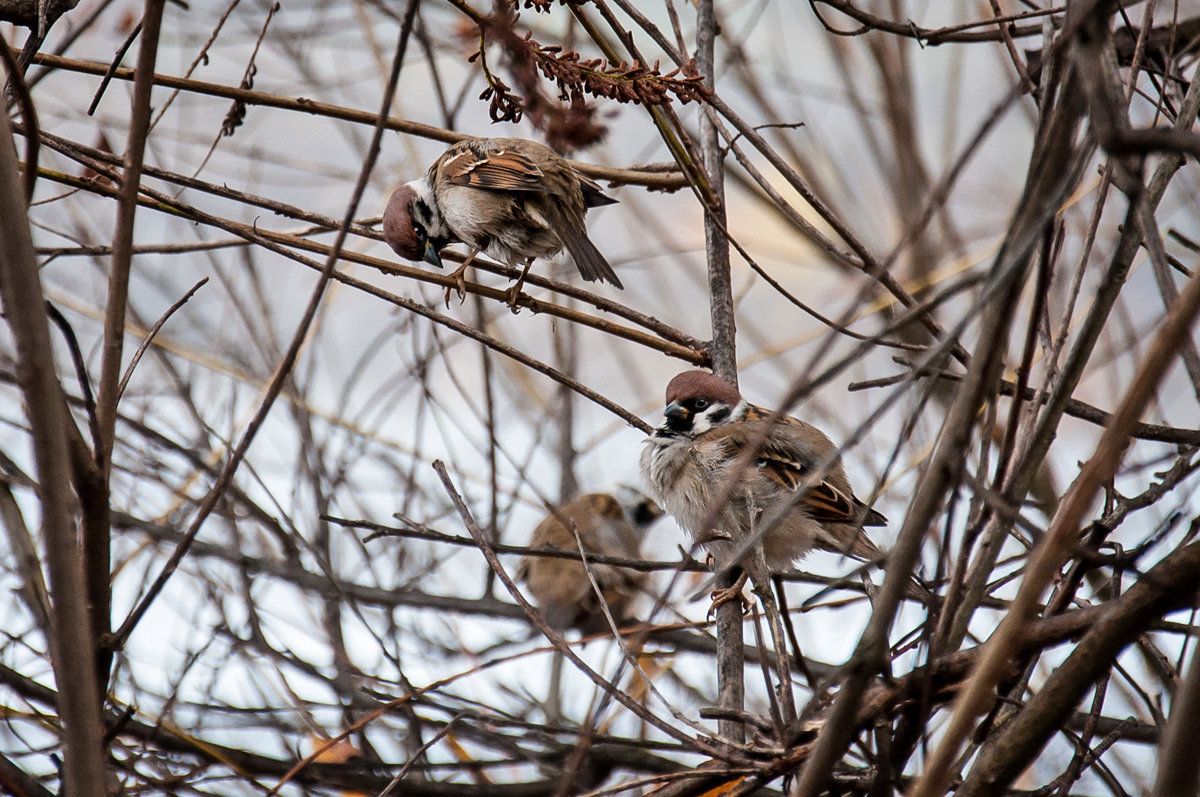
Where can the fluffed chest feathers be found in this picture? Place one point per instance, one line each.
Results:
(680, 474)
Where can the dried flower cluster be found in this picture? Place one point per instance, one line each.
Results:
(624, 83)
(237, 111)
(504, 106)
(544, 6)
(568, 121)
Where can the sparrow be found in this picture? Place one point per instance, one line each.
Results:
(698, 457)
(610, 525)
(689, 459)
(515, 200)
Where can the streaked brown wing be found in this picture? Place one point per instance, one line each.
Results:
(493, 170)
(828, 504)
(787, 464)
(779, 458)
(822, 501)
(784, 472)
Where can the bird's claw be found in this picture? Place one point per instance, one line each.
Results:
(460, 285)
(727, 594)
(513, 296)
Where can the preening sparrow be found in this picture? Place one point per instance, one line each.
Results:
(689, 459)
(608, 525)
(514, 199)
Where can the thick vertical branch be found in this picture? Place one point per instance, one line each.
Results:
(489, 409)
(72, 643)
(730, 664)
(94, 494)
(566, 352)
(716, 245)
(118, 276)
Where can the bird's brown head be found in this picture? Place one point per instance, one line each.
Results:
(412, 225)
(702, 384)
(697, 401)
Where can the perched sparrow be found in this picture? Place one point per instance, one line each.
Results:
(688, 461)
(607, 525)
(514, 199)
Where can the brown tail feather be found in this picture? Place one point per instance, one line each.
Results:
(593, 194)
(591, 264)
(863, 549)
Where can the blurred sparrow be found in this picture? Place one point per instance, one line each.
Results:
(607, 525)
(688, 461)
(514, 199)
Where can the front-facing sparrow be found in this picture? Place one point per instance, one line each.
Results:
(514, 199)
(756, 493)
(690, 459)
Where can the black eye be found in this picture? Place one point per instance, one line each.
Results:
(419, 231)
(701, 403)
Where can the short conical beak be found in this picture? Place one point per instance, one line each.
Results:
(676, 412)
(431, 254)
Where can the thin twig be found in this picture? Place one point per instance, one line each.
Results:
(146, 341)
